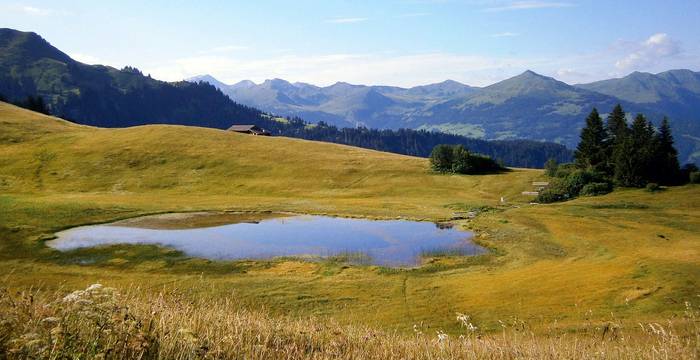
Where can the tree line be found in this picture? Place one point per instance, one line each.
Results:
(615, 153)
(518, 153)
(33, 103)
(201, 104)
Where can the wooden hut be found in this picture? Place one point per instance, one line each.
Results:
(249, 129)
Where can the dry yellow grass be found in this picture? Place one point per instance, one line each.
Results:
(630, 256)
(99, 322)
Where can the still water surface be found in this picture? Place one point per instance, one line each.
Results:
(380, 242)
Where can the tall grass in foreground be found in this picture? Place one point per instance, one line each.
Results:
(99, 322)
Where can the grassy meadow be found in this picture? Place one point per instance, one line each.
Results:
(560, 277)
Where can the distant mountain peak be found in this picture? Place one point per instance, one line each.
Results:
(244, 84)
(680, 87)
(527, 82)
(448, 82)
(205, 77)
(529, 74)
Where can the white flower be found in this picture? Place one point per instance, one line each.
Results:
(74, 296)
(94, 287)
(463, 319)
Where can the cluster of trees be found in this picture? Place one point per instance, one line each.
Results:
(613, 153)
(33, 103)
(519, 153)
(631, 156)
(457, 159)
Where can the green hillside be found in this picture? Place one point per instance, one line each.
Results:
(103, 95)
(632, 254)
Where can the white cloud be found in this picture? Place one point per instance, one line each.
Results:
(526, 5)
(505, 34)
(89, 59)
(650, 52)
(349, 20)
(31, 10)
(86, 59)
(225, 49)
(26, 10)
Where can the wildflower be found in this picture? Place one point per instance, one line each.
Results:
(442, 337)
(463, 319)
(83, 302)
(74, 296)
(94, 287)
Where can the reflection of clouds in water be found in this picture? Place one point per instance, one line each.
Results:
(388, 242)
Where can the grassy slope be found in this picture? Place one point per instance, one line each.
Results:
(568, 262)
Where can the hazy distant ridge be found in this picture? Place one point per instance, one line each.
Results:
(527, 106)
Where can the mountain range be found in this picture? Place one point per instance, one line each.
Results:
(104, 96)
(527, 106)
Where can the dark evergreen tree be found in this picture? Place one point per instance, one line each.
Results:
(665, 166)
(634, 154)
(35, 103)
(616, 130)
(591, 151)
(616, 125)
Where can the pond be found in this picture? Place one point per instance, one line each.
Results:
(226, 236)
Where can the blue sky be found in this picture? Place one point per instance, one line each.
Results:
(392, 42)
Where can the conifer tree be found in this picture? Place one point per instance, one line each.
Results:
(634, 154)
(666, 169)
(616, 130)
(591, 151)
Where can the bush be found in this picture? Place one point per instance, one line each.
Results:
(694, 177)
(596, 188)
(576, 180)
(653, 187)
(458, 160)
(481, 164)
(686, 171)
(564, 170)
(441, 158)
(557, 191)
(571, 182)
(550, 167)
